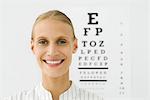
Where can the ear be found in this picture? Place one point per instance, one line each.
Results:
(32, 46)
(75, 45)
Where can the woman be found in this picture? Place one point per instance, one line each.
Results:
(53, 42)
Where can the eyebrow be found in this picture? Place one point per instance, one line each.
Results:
(41, 37)
(59, 37)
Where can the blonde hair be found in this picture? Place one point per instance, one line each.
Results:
(56, 15)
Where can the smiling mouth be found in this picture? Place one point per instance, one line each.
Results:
(53, 63)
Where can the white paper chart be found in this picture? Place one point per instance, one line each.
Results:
(112, 57)
(102, 61)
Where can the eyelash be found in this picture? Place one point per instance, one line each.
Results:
(42, 42)
(59, 42)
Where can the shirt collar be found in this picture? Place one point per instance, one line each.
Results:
(46, 95)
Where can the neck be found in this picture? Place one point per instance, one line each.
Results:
(56, 85)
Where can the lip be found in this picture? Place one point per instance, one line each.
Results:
(53, 63)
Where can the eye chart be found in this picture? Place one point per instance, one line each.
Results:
(102, 60)
(112, 56)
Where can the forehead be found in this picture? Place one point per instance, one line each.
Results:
(52, 28)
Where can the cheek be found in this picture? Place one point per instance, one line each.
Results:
(38, 52)
(68, 53)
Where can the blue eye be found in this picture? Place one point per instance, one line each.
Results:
(61, 42)
(42, 42)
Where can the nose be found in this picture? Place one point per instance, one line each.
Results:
(52, 50)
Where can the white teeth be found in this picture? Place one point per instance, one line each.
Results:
(53, 62)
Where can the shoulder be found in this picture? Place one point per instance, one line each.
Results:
(84, 94)
(23, 95)
(87, 95)
(18, 96)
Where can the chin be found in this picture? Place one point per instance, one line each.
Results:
(56, 73)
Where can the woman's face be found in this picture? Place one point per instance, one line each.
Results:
(53, 45)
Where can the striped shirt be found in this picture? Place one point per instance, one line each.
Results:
(39, 93)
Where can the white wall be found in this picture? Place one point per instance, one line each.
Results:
(18, 68)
